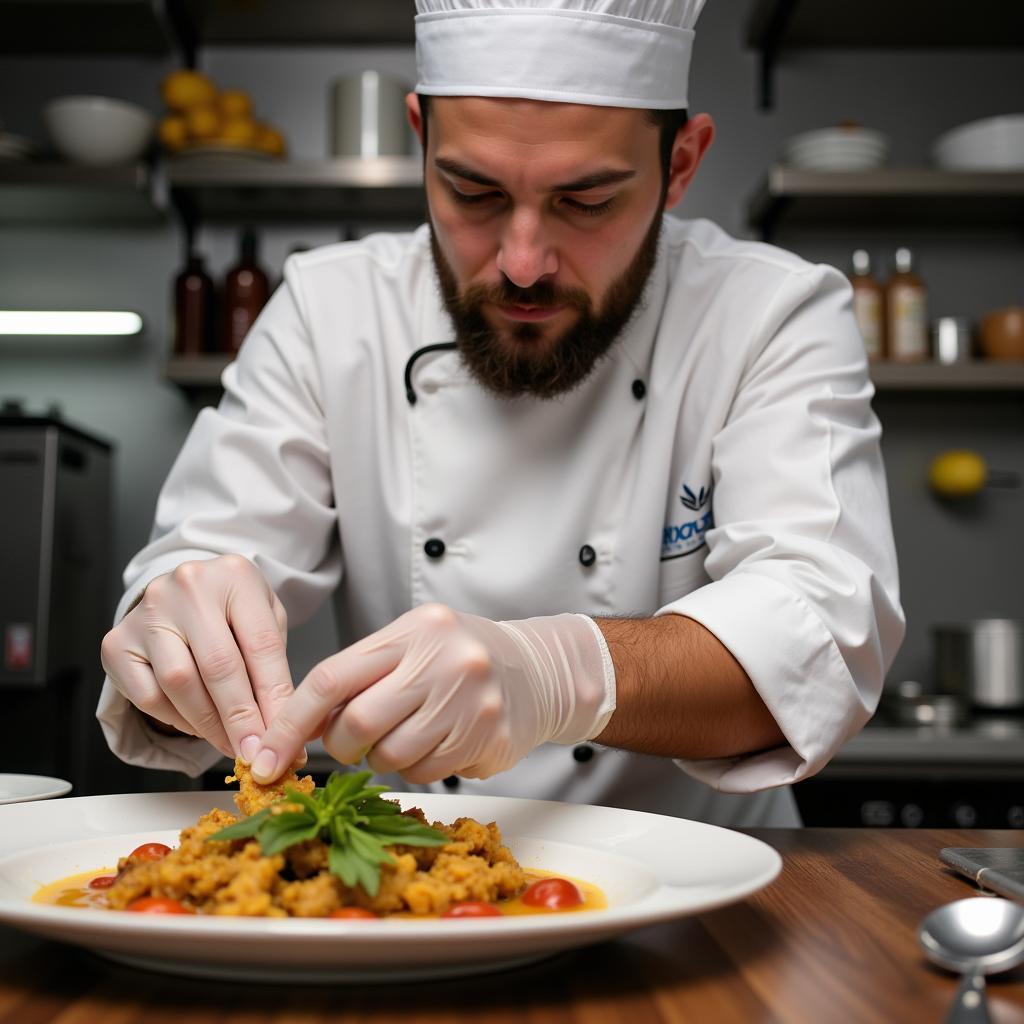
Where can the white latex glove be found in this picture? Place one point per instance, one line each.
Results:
(440, 693)
(203, 651)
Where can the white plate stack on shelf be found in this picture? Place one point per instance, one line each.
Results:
(991, 144)
(844, 148)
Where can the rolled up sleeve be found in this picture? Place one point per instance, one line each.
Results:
(804, 587)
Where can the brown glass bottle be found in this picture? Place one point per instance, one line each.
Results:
(906, 321)
(194, 303)
(868, 305)
(246, 290)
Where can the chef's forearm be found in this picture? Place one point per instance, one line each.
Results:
(681, 693)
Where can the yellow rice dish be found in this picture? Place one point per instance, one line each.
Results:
(233, 878)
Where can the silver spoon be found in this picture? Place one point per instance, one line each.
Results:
(975, 936)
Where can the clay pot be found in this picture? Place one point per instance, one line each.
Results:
(1001, 334)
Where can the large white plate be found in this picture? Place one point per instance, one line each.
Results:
(652, 868)
(15, 789)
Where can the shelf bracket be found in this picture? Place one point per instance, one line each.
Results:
(770, 46)
(772, 215)
(184, 31)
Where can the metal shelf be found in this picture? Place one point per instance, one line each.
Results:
(885, 746)
(32, 28)
(63, 193)
(775, 26)
(384, 189)
(159, 27)
(194, 374)
(196, 371)
(905, 196)
(881, 24)
(976, 375)
(316, 22)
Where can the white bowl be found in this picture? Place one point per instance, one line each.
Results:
(98, 130)
(992, 144)
(838, 146)
(844, 136)
(828, 162)
(837, 149)
(870, 156)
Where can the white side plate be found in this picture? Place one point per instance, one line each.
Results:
(16, 789)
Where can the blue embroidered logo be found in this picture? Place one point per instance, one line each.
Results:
(695, 501)
(682, 538)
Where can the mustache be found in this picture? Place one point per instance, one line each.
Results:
(542, 293)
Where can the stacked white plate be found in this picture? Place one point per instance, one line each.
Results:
(15, 147)
(837, 149)
(992, 144)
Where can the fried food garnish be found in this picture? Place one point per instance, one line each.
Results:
(252, 796)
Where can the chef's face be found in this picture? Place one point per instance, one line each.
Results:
(544, 225)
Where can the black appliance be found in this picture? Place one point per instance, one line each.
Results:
(56, 599)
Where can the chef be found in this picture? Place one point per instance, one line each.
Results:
(596, 491)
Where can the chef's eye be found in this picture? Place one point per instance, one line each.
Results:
(588, 209)
(472, 198)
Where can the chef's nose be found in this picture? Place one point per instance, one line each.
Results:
(525, 255)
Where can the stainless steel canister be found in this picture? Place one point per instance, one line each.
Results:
(982, 661)
(368, 116)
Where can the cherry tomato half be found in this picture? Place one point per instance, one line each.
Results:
(473, 908)
(103, 881)
(157, 905)
(553, 894)
(150, 851)
(359, 912)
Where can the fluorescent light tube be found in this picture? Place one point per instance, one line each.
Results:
(92, 323)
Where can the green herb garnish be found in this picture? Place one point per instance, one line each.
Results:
(346, 814)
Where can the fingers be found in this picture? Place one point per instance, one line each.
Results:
(176, 674)
(224, 678)
(135, 682)
(260, 635)
(135, 679)
(382, 723)
(211, 636)
(333, 682)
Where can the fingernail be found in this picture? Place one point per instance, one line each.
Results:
(248, 747)
(303, 758)
(264, 766)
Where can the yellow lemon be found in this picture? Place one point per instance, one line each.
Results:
(173, 132)
(270, 140)
(238, 131)
(957, 473)
(185, 89)
(235, 103)
(203, 123)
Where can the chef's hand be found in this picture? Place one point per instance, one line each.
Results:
(203, 651)
(439, 693)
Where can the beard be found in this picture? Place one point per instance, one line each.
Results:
(521, 362)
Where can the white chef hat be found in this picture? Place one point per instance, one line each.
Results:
(610, 53)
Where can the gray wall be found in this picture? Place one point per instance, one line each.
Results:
(956, 562)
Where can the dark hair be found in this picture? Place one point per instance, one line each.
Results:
(668, 123)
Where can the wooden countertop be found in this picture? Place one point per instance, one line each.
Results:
(832, 939)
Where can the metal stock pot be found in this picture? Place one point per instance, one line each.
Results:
(982, 662)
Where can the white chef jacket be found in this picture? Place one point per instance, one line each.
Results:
(721, 463)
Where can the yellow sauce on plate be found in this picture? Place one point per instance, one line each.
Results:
(74, 891)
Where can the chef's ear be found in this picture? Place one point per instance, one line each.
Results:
(692, 141)
(414, 114)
